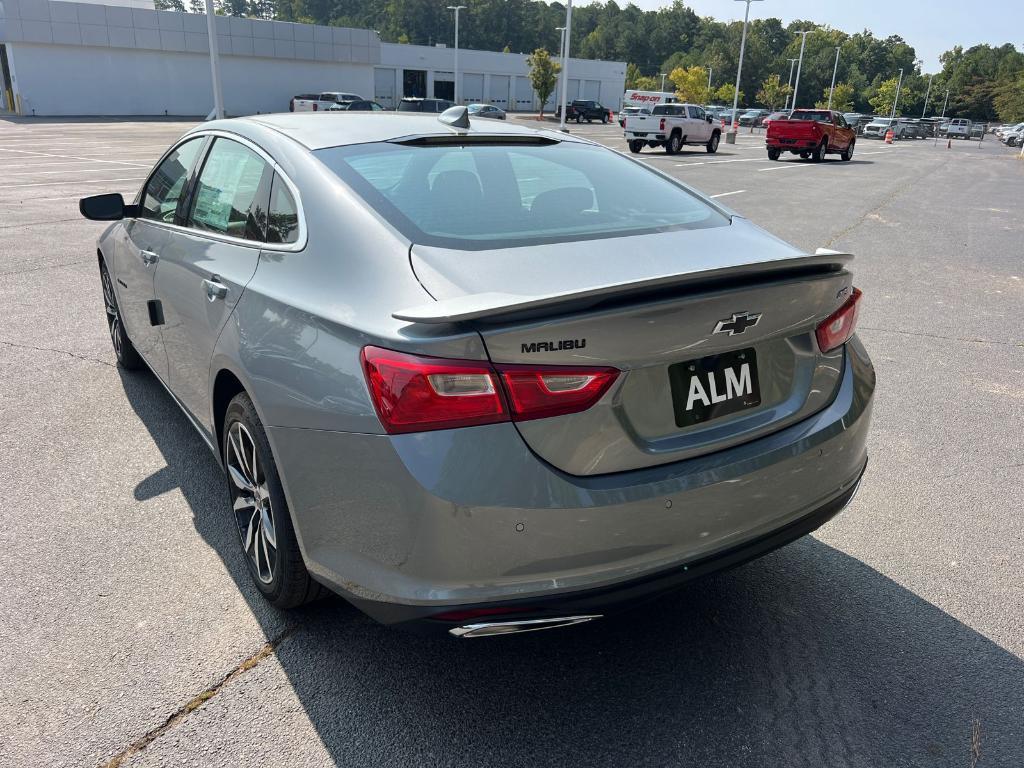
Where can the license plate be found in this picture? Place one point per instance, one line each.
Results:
(714, 386)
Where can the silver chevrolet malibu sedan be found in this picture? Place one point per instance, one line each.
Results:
(479, 378)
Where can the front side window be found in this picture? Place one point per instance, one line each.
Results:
(231, 194)
(165, 187)
(476, 196)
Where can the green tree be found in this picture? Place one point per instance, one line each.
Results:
(773, 93)
(724, 94)
(884, 98)
(691, 84)
(543, 75)
(1009, 100)
(842, 98)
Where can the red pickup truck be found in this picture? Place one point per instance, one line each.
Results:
(811, 133)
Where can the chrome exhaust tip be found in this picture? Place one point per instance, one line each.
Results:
(489, 628)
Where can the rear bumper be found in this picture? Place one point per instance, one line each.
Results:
(413, 525)
(794, 144)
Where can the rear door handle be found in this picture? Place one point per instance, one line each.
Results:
(215, 289)
(148, 257)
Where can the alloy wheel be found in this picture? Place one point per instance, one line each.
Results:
(113, 316)
(250, 499)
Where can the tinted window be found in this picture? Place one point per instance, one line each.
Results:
(493, 195)
(166, 185)
(283, 225)
(230, 197)
(409, 106)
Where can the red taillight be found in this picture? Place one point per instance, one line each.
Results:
(836, 329)
(537, 392)
(661, 124)
(419, 394)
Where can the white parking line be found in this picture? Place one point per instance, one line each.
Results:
(726, 194)
(876, 152)
(785, 167)
(739, 160)
(67, 183)
(71, 157)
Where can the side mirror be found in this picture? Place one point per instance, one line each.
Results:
(109, 207)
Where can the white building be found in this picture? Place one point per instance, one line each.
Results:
(124, 58)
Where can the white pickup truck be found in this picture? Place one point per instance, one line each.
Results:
(959, 129)
(673, 126)
(317, 102)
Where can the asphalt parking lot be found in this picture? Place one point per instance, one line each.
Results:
(894, 636)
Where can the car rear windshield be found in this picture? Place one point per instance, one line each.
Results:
(818, 115)
(487, 195)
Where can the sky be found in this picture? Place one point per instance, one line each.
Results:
(931, 27)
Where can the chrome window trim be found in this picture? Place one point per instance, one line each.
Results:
(298, 245)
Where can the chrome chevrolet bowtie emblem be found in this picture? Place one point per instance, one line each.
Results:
(738, 323)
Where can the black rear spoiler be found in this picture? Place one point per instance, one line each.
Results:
(495, 306)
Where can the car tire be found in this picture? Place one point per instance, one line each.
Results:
(804, 155)
(674, 144)
(604, 119)
(774, 154)
(819, 152)
(260, 511)
(712, 145)
(635, 146)
(579, 119)
(848, 152)
(127, 356)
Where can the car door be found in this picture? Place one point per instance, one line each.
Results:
(137, 257)
(205, 267)
(701, 127)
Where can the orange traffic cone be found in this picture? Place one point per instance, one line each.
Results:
(888, 136)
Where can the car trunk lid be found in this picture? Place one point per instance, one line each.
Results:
(650, 307)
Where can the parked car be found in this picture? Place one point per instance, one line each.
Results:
(726, 116)
(585, 109)
(775, 116)
(753, 117)
(977, 131)
(879, 126)
(418, 423)
(626, 111)
(356, 106)
(486, 110)
(812, 133)
(959, 128)
(414, 104)
(313, 102)
(1012, 137)
(673, 126)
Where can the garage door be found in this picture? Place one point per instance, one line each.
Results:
(573, 91)
(592, 90)
(384, 87)
(499, 91)
(524, 95)
(472, 88)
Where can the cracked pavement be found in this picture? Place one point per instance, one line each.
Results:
(132, 636)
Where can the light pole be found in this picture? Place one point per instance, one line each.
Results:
(456, 8)
(945, 101)
(561, 43)
(567, 36)
(896, 101)
(730, 137)
(789, 83)
(800, 63)
(832, 89)
(662, 81)
(926, 95)
(708, 97)
(211, 30)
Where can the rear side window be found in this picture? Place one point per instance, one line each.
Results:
(232, 191)
(476, 196)
(283, 222)
(165, 187)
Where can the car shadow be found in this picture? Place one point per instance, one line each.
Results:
(805, 657)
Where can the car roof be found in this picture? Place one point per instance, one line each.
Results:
(314, 130)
